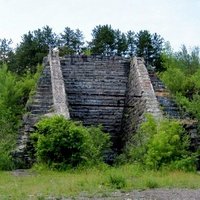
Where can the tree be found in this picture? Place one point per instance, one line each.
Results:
(156, 57)
(103, 41)
(71, 41)
(33, 48)
(5, 50)
(130, 42)
(121, 44)
(189, 62)
(144, 46)
(62, 143)
(160, 144)
(182, 78)
(14, 92)
(149, 46)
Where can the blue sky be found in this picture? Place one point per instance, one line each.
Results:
(177, 21)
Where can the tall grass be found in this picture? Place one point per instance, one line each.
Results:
(99, 181)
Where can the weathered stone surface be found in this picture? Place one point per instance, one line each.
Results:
(140, 99)
(96, 90)
(60, 104)
(111, 91)
(40, 104)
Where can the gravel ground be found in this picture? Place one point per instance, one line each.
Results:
(151, 194)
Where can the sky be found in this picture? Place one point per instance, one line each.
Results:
(177, 21)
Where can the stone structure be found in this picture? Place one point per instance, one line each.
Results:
(40, 104)
(112, 91)
(140, 98)
(96, 90)
(171, 110)
(58, 87)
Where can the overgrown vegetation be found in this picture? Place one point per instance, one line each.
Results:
(61, 143)
(181, 76)
(160, 144)
(14, 93)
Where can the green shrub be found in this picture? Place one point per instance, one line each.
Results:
(185, 83)
(187, 163)
(161, 143)
(62, 143)
(14, 92)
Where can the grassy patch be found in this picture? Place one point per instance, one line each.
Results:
(90, 182)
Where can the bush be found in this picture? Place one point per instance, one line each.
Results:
(187, 163)
(185, 83)
(159, 144)
(14, 92)
(62, 143)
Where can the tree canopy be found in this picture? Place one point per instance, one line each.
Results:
(105, 41)
(71, 41)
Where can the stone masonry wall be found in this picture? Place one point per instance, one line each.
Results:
(40, 104)
(140, 98)
(49, 99)
(95, 90)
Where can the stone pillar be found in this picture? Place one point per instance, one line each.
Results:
(58, 87)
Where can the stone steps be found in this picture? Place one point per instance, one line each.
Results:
(96, 91)
(171, 110)
(41, 103)
(168, 105)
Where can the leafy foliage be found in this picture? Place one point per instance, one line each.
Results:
(14, 92)
(61, 143)
(160, 144)
(5, 50)
(103, 40)
(71, 41)
(182, 78)
(149, 46)
(33, 48)
(108, 41)
(131, 43)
